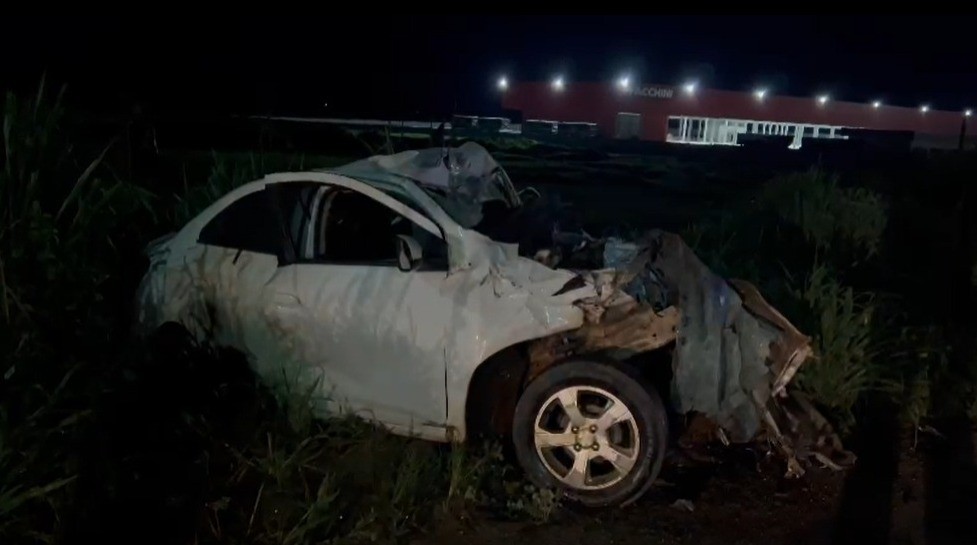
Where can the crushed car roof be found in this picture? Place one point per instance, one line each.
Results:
(461, 178)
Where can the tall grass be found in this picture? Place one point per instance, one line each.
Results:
(28, 478)
(818, 231)
(720, 243)
(228, 172)
(831, 217)
(917, 356)
(100, 433)
(294, 478)
(842, 227)
(845, 343)
(60, 216)
(865, 346)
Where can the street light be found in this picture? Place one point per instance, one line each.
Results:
(558, 84)
(503, 83)
(624, 83)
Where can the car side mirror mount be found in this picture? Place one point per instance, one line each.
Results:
(409, 253)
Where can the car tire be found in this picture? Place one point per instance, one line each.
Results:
(594, 431)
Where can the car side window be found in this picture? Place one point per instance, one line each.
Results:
(249, 223)
(356, 229)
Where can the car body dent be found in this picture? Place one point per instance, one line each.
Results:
(490, 298)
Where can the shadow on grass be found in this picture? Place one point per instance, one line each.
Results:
(951, 484)
(865, 511)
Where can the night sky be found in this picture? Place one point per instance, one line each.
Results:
(423, 66)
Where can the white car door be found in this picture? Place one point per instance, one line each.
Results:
(234, 256)
(368, 336)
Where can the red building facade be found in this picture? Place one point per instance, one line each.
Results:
(660, 112)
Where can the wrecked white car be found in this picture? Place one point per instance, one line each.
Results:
(372, 284)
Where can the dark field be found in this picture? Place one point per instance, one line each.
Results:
(105, 438)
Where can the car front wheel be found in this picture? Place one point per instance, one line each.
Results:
(593, 430)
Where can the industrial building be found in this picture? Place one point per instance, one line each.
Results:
(691, 115)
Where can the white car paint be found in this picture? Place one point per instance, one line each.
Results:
(396, 347)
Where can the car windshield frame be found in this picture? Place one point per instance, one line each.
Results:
(394, 184)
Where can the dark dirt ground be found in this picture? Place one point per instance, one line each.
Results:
(900, 495)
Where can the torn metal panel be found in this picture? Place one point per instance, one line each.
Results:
(621, 332)
(800, 432)
(791, 350)
(734, 354)
(722, 350)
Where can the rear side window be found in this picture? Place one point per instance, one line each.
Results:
(249, 223)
